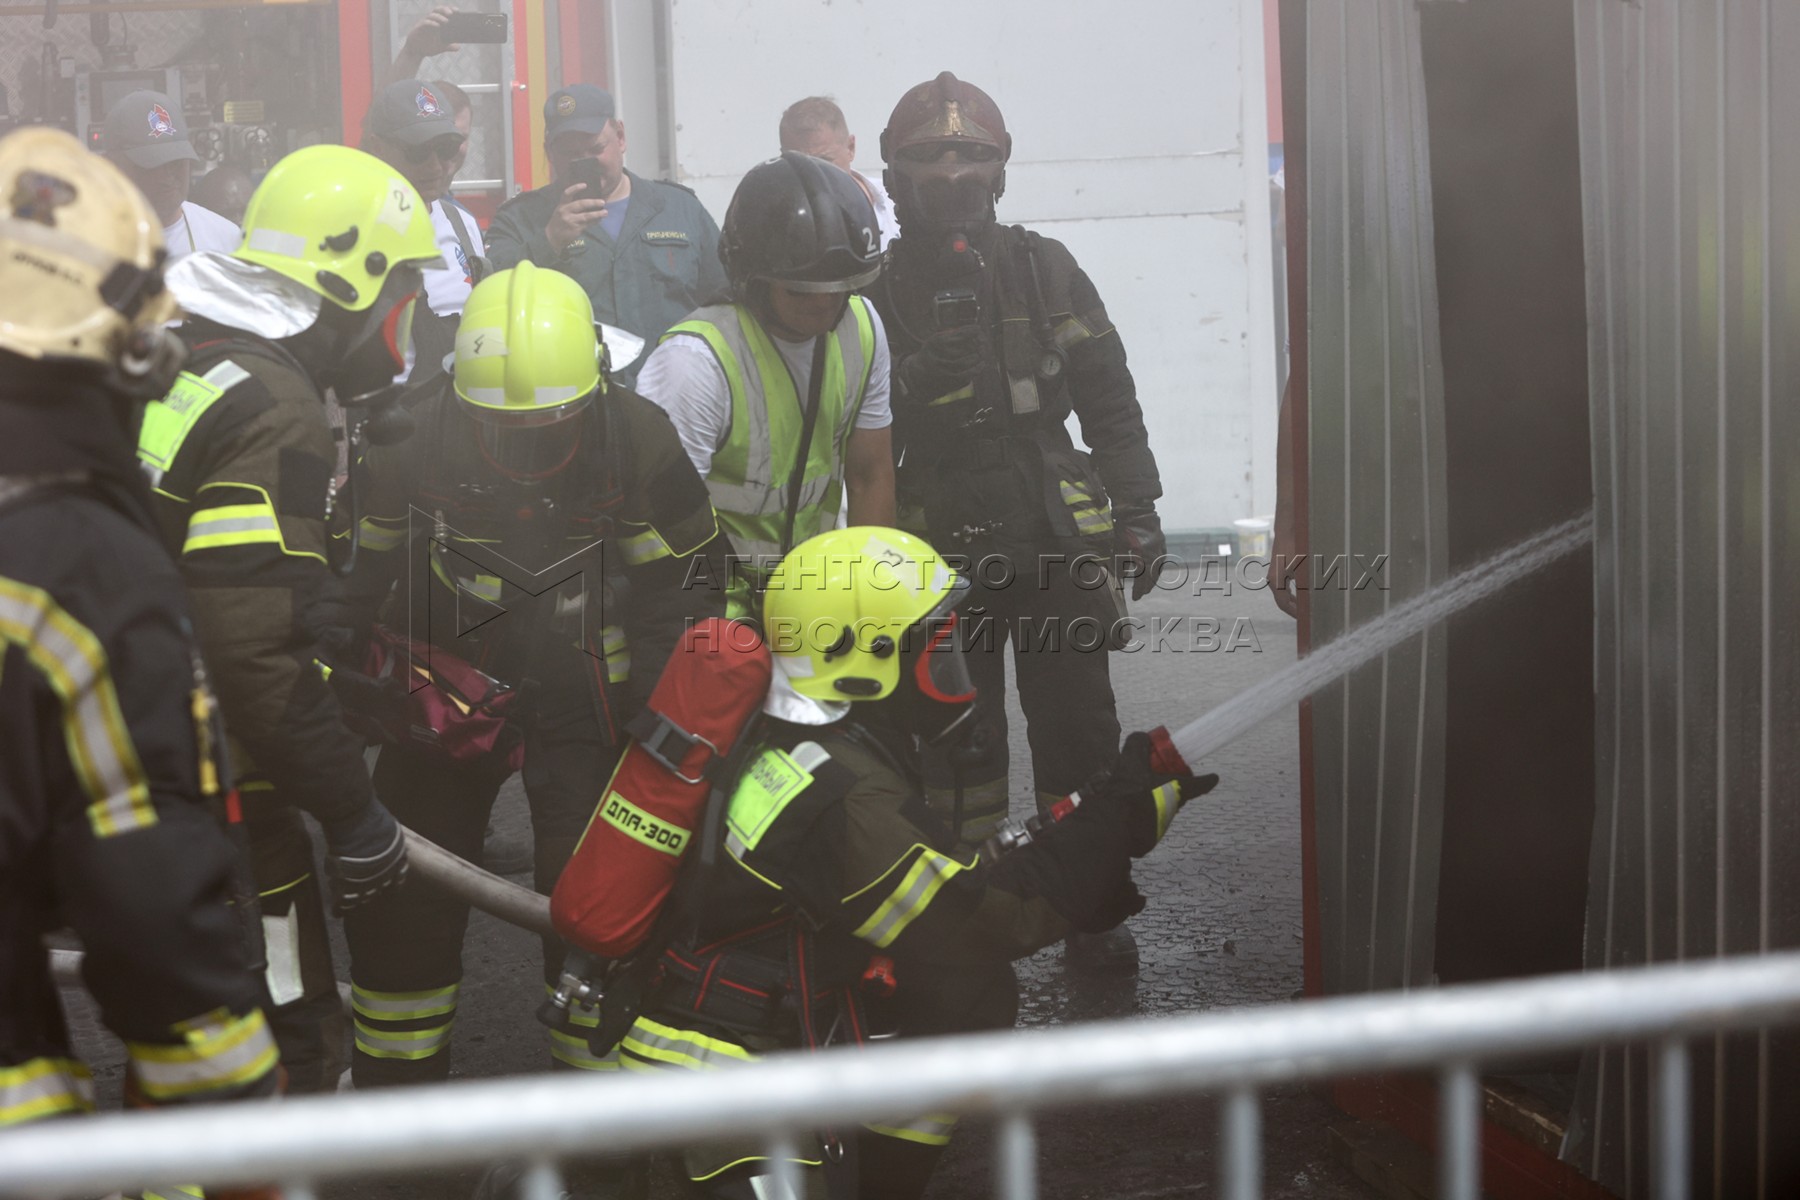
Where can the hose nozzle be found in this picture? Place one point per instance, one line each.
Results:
(1165, 759)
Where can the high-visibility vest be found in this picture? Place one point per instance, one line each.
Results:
(750, 473)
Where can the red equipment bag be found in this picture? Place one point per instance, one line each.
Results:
(413, 693)
(616, 882)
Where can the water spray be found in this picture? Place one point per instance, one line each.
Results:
(1193, 742)
(1171, 753)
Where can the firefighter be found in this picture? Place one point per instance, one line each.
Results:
(796, 360)
(831, 856)
(529, 460)
(108, 739)
(242, 462)
(997, 336)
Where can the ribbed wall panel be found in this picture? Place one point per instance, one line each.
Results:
(1692, 191)
(1377, 488)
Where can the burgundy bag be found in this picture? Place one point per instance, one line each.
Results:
(450, 707)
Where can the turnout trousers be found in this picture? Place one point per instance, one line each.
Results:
(893, 1160)
(1059, 630)
(406, 947)
(306, 1014)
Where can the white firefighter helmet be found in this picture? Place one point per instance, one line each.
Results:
(81, 254)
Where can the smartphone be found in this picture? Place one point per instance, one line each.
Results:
(471, 27)
(955, 308)
(587, 170)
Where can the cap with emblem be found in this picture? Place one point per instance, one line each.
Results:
(578, 108)
(147, 129)
(410, 113)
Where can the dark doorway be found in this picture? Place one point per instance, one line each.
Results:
(1506, 192)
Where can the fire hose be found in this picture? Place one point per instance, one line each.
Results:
(1192, 743)
(482, 889)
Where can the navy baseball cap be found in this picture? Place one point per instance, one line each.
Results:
(147, 129)
(578, 108)
(410, 112)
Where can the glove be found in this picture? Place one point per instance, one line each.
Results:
(1139, 796)
(367, 856)
(381, 703)
(947, 361)
(1140, 551)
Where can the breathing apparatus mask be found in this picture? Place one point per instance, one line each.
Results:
(530, 448)
(945, 147)
(935, 698)
(363, 351)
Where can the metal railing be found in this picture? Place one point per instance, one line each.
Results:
(541, 1120)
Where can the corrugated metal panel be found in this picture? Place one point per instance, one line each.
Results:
(1688, 112)
(1377, 488)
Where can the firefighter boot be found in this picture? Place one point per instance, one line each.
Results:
(1114, 952)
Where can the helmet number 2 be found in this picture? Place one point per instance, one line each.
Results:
(396, 211)
(869, 241)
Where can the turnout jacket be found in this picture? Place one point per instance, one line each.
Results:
(598, 568)
(241, 460)
(829, 826)
(831, 856)
(998, 450)
(107, 760)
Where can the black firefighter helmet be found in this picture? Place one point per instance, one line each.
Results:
(803, 223)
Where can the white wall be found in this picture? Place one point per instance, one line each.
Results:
(1139, 134)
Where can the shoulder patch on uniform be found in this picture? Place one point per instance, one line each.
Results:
(769, 784)
(169, 421)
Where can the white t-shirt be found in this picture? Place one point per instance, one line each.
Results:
(685, 380)
(447, 288)
(884, 208)
(200, 229)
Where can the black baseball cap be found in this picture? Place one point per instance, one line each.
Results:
(578, 108)
(410, 113)
(147, 129)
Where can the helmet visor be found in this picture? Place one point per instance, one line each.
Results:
(501, 417)
(941, 672)
(850, 283)
(530, 453)
(396, 330)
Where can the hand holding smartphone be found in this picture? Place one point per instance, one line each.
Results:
(474, 27)
(587, 171)
(567, 224)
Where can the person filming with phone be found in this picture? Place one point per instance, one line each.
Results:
(646, 253)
